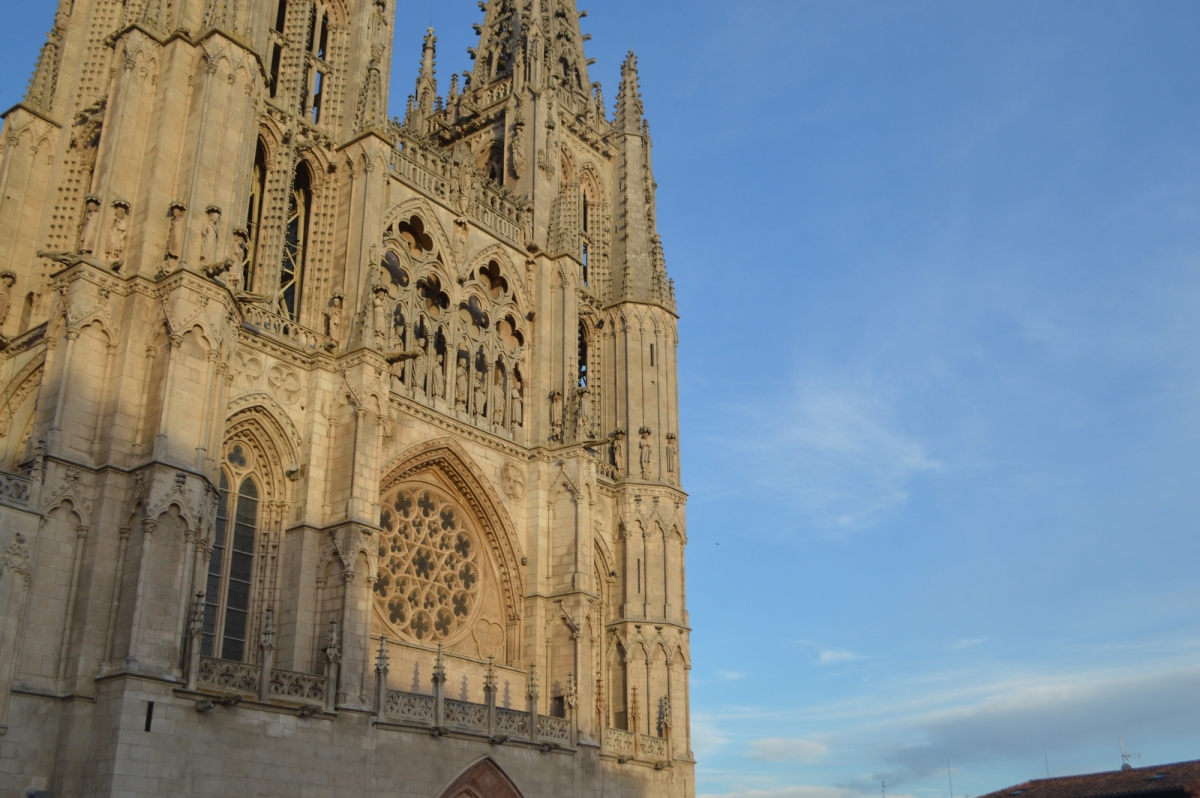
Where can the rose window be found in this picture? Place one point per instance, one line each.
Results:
(428, 585)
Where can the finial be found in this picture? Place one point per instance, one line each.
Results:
(439, 666)
(332, 644)
(268, 632)
(381, 661)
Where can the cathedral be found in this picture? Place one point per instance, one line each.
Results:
(339, 453)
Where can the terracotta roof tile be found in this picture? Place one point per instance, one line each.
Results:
(1183, 777)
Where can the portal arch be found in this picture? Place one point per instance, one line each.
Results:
(484, 779)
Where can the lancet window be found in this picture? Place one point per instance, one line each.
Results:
(254, 210)
(291, 271)
(316, 63)
(231, 564)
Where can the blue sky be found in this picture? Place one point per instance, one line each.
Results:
(939, 270)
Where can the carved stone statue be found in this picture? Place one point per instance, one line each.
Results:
(175, 234)
(334, 319)
(379, 317)
(461, 385)
(89, 231)
(556, 416)
(420, 365)
(7, 281)
(672, 453)
(118, 232)
(517, 413)
(437, 379)
(618, 452)
(584, 415)
(210, 237)
(498, 399)
(646, 453)
(461, 232)
(239, 264)
(481, 393)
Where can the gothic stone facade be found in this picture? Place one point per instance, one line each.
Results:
(337, 453)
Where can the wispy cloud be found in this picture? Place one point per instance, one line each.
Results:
(1019, 718)
(783, 749)
(731, 676)
(834, 449)
(836, 657)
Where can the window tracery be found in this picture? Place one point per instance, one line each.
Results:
(231, 563)
(428, 586)
(464, 340)
(291, 271)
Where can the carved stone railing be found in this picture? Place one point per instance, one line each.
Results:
(220, 674)
(554, 730)
(245, 678)
(264, 320)
(499, 213)
(465, 715)
(492, 207)
(642, 747)
(303, 688)
(618, 741)
(512, 723)
(652, 748)
(15, 490)
(410, 707)
(416, 169)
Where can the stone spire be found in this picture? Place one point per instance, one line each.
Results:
(421, 104)
(544, 38)
(639, 267)
(42, 86)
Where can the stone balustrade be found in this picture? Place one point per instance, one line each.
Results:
(245, 679)
(15, 490)
(262, 320)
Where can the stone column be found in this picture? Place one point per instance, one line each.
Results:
(532, 702)
(439, 690)
(267, 649)
(195, 640)
(489, 693)
(333, 658)
(381, 682)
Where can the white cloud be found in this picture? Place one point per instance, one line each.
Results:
(834, 450)
(836, 657)
(731, 676)
(1017, 718)
(707, 738)
(783, 749)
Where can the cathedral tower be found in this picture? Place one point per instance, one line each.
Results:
(336, 451)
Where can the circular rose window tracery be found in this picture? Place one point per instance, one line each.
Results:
(428, 585)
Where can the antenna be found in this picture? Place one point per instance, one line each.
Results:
(951, 778)
(1126, 756)
(1047, 755)
(883, 788)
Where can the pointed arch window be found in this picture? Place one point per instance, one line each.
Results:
(230, 570)
(258, 190)
(291, 271)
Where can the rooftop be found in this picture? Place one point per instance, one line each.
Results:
(1182, 777)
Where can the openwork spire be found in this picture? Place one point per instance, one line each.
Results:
(44, 83)
(629, 98)
(638, 251)
(540, 42)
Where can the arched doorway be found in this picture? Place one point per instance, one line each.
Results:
(484, 779)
